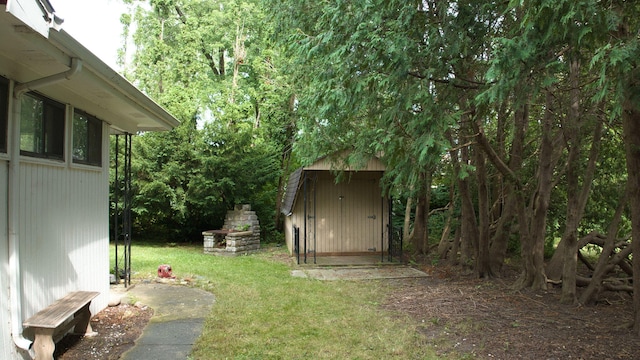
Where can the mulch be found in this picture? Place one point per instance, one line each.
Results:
(118, 327)
(486, 319)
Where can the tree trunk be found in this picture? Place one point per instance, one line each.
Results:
(284, 171)
(555, 265)
(500, 240)
(572, 136)
(483, 263)
(601, 269)
(469, 225)
(455, 247)
(445, 244)
(419, 226)
(407, 219)
(467, 230)
(239, 55)
(532, 244)
(427, 200)
(631, 126)
(285, 163)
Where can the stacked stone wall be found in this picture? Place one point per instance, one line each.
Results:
(243, 236)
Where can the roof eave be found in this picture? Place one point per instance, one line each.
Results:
(115, 80)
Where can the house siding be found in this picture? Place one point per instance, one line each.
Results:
(58, 211)
(6, 344)
(64, 237)
(63, 234)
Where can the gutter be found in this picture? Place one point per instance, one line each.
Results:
(13, 219)
(76, 66)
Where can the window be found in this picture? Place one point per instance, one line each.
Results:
(41, 127)
(87, 139)
(4, 113)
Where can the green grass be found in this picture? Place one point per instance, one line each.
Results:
(262, 312)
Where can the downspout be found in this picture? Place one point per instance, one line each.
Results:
(15, 281)
(76, 66)
(15, 273)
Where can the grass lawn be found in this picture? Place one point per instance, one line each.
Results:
(262, 312)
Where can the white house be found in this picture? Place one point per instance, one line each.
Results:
(58, 105)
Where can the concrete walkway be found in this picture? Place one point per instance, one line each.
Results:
(359, 273)
(179, 315)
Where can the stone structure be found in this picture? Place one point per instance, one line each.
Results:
(240, 234)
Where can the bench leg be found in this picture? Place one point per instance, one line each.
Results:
(83, 326)
(43, 344)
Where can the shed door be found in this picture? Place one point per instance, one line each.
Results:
(349, 216)
(361, 224)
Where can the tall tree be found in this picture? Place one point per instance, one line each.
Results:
(624, 63)
(212, 65)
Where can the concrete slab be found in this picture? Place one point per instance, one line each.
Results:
(159, 352)
(344, 260)
(164, 333)
(179, 315)
(359, 273)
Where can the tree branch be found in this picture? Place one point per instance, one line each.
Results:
(203, 50)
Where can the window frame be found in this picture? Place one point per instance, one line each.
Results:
(51, 132)
(92, 139)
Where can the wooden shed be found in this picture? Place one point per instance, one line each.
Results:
(327, 217)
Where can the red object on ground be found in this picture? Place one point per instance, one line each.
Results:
(164, 271)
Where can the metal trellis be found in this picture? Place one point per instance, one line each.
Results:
(122, 193)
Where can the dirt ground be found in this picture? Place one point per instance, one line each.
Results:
(462, 316)
(118, 327)
(470, 318)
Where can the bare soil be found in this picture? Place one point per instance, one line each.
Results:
(485, 319)
(463, 317)
(118, 327)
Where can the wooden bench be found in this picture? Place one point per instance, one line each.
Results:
(57, 318)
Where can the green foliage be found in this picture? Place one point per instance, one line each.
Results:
(260, 85)
(412, 79)
(186, 180)
(343, 319)
(353, 61)
(212, 65)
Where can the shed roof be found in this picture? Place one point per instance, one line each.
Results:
(27, 54)
(333, 162)
(292, 189)
(338, 162)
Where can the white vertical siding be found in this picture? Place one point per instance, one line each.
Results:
(63, 234)
(6, 343)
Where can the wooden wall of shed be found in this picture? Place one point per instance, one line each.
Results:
(344, 218)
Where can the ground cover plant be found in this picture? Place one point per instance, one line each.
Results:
(262, 312)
